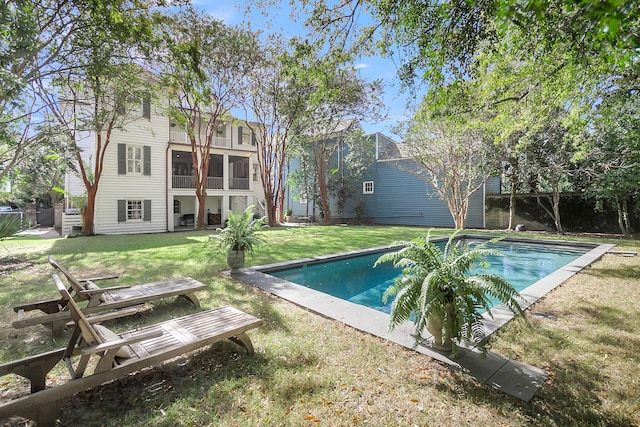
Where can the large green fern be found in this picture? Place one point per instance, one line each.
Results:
(240, 233)
(433, 279)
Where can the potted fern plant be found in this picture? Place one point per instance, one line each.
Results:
(240, 237)
(436, 291)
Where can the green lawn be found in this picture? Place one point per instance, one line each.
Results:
(309, 370)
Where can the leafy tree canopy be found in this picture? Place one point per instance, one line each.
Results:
(438, 39)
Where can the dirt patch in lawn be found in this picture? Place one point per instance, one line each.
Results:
(11, 264)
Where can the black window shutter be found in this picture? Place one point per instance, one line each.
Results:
(146, 210)
(122, 210)
(122, 159)
(253, 138)
(146, 159)
(239, 134)
(146, 107)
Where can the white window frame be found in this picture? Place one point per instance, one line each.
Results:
(246, 137)
(368, 187)
(135, 210)
(135, 162)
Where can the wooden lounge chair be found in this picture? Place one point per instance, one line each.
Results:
(117, 355)
(99, 299)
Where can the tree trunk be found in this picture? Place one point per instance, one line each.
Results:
(324, 199)
(556, 211)
(202, 199)
(512, 206)
(88, 212)
(280, 202)
(322, 186)
(270, 208)
(623, 216)
(201, 171)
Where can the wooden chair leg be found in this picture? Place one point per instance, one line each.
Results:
(45, 415)
(244, 341)
(57, 327)
(192, 298)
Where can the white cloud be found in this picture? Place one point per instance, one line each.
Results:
(361, 66)
(224, 10)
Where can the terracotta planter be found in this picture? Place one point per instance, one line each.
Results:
(435, 324)
(235, 260)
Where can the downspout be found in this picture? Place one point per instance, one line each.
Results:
(484, 205)
(167, 168)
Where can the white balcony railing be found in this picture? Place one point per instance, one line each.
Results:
(181, 137)
(239, 183)
(182, 181)
(215, 183)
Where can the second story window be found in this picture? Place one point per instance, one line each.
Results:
(221, 131)
(246, 136)
(134, 159)
(146, 106)
(367, 187)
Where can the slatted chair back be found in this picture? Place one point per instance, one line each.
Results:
(76, 285)
(89, 334)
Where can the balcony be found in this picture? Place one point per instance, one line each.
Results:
(181, 137)
(183, 181)
(239, 183)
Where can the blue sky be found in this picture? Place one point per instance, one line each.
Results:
(280, 21)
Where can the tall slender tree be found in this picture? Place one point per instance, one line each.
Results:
(455, 161)
(339, 98)
(35, 38)
(204, 67)
(612, 155)
(100, 85)
(276, 102)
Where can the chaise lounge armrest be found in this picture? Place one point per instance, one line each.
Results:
(99, 318)
(95, 279)
(115, 344)
(101, 290)
(34, 368)
(48, 306)
(108, 351)
(95, 289)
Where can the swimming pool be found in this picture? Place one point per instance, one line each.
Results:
(355, 279)
(494, 370)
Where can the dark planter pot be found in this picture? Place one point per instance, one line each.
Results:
(235, 260)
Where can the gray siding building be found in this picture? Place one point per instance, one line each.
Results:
(391, 195)
(396, 197)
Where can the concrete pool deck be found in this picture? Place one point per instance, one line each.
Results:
(509, 376)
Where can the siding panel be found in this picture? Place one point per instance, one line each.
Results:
(152, 188)
(403, 199)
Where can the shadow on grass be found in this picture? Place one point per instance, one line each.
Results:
(573, 395)
(126, 242)
(197, 390)
(631, 272)
(610, 317)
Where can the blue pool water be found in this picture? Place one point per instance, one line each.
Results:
(354, 278)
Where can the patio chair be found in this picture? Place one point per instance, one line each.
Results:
(98, 299)
(117, 355)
